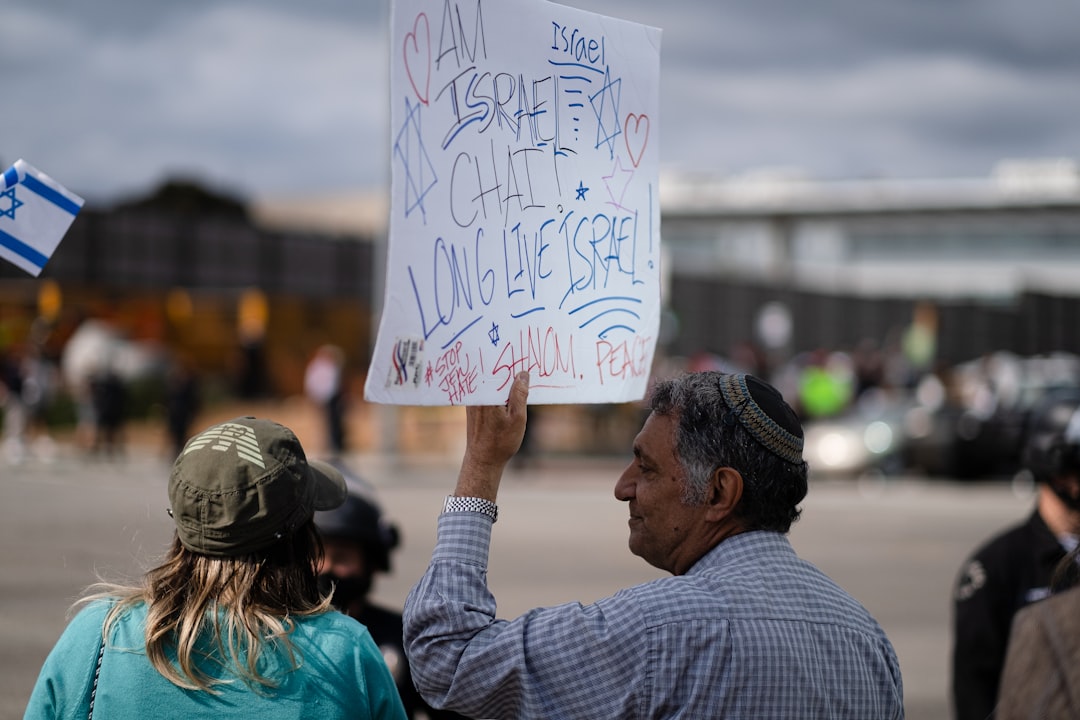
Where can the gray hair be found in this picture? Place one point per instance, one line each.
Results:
(711, 434)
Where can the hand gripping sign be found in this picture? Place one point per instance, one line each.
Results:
(525, 222)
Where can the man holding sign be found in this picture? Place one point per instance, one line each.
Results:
(743, 628)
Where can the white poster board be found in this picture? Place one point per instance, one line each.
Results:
(524, 215)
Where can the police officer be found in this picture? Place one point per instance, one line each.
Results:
(1017, 567)
(357, 541)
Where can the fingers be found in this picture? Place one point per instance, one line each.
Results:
(493, 434)
(519, 394)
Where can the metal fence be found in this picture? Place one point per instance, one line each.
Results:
(717, 314)
(145, 249)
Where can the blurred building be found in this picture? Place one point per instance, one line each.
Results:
(993, 263)
(201, 274)
(772, 259)
(996, 258)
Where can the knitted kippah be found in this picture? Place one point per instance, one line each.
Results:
(762, 411)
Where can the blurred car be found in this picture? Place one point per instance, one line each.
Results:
(867, 439)
(977, 430)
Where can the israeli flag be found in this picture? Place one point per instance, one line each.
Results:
(35, 212)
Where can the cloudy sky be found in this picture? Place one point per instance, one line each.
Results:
(265, 97)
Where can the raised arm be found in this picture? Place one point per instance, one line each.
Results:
(493, 434)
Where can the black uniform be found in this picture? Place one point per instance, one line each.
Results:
(1012, 570)
(386, 630)
(360, 521)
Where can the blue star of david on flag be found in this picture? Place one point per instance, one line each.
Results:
(35, 213)
(13, 203)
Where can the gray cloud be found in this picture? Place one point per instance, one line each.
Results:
(273, 96)
(261, 99)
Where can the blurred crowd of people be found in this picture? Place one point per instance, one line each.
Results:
(962, 420)
(93, 383)
(826, 382)
(86, 381)
(28, 380)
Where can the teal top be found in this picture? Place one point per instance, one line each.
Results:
(340, 674)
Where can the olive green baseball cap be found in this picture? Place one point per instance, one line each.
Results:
(240, 486)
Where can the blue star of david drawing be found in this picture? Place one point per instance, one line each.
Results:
(581, 190)
(14, 203)
(605, 104)
(412, 155)
(493, 334)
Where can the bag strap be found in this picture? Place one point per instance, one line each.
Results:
(97, 674)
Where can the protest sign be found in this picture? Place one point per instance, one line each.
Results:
(524, 221)
(35, 213)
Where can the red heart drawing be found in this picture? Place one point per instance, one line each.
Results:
(420, 55)
(640, 137)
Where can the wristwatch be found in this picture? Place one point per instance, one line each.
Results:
(455, 503)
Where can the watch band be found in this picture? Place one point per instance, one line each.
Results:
(455, 503)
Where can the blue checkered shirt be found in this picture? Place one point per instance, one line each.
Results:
(751, 631)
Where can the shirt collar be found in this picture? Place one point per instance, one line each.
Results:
(746, 548)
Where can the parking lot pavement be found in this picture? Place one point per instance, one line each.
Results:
(561, 537)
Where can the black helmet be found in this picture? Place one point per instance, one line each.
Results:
(1052, 445)
(359, 519)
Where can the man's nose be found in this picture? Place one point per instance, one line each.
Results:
(624, 486)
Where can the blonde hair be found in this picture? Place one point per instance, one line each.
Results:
(243, 605)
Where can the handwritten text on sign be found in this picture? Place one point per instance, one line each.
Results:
(524, 229)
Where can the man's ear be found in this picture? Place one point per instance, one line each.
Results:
(725, 491)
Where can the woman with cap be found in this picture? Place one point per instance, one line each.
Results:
(232, 623)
